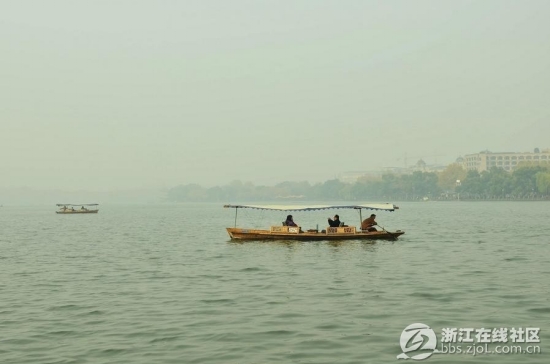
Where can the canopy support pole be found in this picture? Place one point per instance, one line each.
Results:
(236, 209)
(360, 217)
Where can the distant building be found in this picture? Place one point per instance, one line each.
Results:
(420, 166)
(508, 161)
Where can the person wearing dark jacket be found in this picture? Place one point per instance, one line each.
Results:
(289, 221)
(335, 222)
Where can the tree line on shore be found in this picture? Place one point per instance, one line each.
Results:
(527, 182)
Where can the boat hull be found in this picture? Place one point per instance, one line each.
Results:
(77, 212)
(255, 234)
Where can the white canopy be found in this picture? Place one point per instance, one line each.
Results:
(77, 204)
(376, 206)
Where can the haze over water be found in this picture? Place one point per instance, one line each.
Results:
(110, 95)
(163, 284)
(119, 101)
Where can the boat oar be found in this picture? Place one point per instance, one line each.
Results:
(387, 232)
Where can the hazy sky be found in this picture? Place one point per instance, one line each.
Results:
(116, 94)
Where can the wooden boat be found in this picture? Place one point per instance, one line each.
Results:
(296, 233)
(67, 208)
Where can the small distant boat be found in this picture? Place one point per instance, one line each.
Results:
(86, 208)
(296, 233)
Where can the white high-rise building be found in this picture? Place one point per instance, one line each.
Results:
(485, 160)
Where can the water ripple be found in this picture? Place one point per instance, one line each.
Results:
(148, 285)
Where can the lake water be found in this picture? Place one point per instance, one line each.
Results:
(164, 284)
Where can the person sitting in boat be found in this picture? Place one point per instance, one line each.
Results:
(334, 223)
(289, 221)
(369, 223)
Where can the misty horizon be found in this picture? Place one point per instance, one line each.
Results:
(129, 96)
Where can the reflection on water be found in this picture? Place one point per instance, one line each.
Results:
(165, 284)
